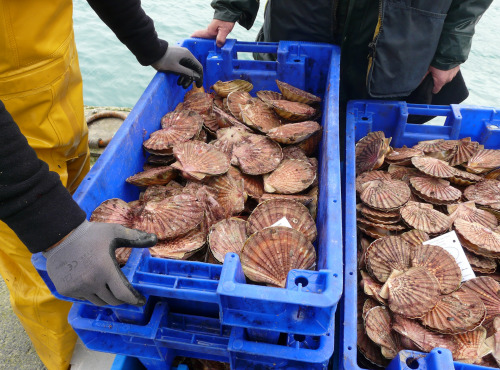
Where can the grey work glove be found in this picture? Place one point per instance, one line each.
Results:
(84, 266)
(180, 60)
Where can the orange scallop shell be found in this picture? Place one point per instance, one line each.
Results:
(371, 287)
(481, 264)
(437, 145)
(297, 95)
(369, 176)
(258, 155)
(228, 137)
(402, 156)
(199, 159)
(478, 238)
(259, 117)
(236, 100)
(488, 291)
(485, 193)
(484, 160)
(415, 237)
(385, 195)
(378, 329)
(154, 176)
(311, 144)
(199, 102)
(113, 211)
(465, 150)
(293, 111)
(370, 152)
(181, 247)
(435, 190)
(304, 199)
(387, 254)
(294, 132)
(292, 176)
(403, 173)
(469, 345)
(230, 193)
(268, 96)
(253, 185)
(294, 152)
(378, 230)
(224, 88)
(227, 236)
(226, 120)
(464, 178)
(467, 211)
(433, 167)
(423, 217)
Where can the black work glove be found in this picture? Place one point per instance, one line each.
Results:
(84, 266)
(180, 60)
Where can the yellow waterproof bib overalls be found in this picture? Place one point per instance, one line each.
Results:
(41, 86)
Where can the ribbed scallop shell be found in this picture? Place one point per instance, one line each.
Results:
(160, 160)
(230, 193)
(180, 248)
(469, 345)
(368, 304)
(260, 117)
(154, 193)
(378, 230)
(271, 211)
(369, 350)
(493, 175)
(379, 216)
(378, 329)
(113, 211)
(154, 176)
(268, 96)
(371, 287)
(441, 264)
(370, 152)
(311, 144)
(457, 312)
(484, 160)
(293, 111)
(197, 157)
(415, 237)
(258, 155)
(253, 185)
(294, 132)
(403, 173)
(488, 291)
(227, 236)
(402, 156)
(292, 176)
(213, 210)
(313, 206)
(413, 293)
(464, 178)
(467, 211)
(186, 122)
(465, 150)
(122, 255)
(161, 142)
(228, 137)
(478, 238)
(385, 195)
(199, 102)
(433, 167)
(481, 264)
(421, 216)
(224, 88)
(486, 193)
(434, 190)
(210, 123)
(387, 254)
(304, 199)
(269, 254)
(236, 100)
(170, 218)
(431, 146)
(295, 94)
(294, 152)
(369, 176)
(226, 120)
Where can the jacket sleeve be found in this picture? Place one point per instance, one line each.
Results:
(456, 38)
(33, 201)
(133, 27)
(242, 11)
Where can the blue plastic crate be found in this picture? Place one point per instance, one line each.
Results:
(308, 303)
(166, 335)
(482, 124)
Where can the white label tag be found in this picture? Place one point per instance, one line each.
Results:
(450, 243)
(282, 222)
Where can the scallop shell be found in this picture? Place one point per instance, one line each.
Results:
(441, 264)
(227, 236)
(199, 159)
(423, 338)
(413, 293)
(313, 206)
(304, 199)
(434, 190)
(403, 156)
(260, 117)
(253, 185)
(478, 238)
(228, 137)
(415, 237)
(155, 193)
(370, 152)
(185, 124)
(387, 254)
(369, 176)
(293, 111)
(230, 193)
(493, 175)
(161, 142)
(180, 248)
(486, 193)
(433, 167)
(465, 150)
(377, 216)
(236, 100)
(122, 255)
(368, 304)
(160, 160)
(311, 144)
(294, 132)
(213, 210)
(113, 211)
(378, 329)
(377, 230)
(199, 102)
(226, 120)
(421, 216)
(210, 123)
(369, 350)
(457, 312)
(402, 173)
(268, 96)
(258, 155)
(467, 211)
(371, 287)
(484, 160)
(294, 152)
(469, 344)
(269, 254)
(223, 89)
(297, 95)
(385, 195)
(431, 146)
(292, 176)
(464, 178)
(154, 176)
(170, 218)
(481, 264)
(269, 212)
(488, 291)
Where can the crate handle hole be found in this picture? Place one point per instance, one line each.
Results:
(364, 118)
(412, 363)
(233, 255)
(351, 273)
(296, 60)
(349, 348)
(299, 337)
(301, 280)
(439, 351)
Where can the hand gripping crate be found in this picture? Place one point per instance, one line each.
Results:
(308, 303)
(482, 124)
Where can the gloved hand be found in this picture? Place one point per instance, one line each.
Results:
(180, 60)
(84, 266)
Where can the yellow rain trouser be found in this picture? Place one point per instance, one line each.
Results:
(41, 86)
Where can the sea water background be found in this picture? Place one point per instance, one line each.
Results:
(113, 77)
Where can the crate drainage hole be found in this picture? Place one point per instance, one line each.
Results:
(299, 337)
(301, 280)
(412, 363)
